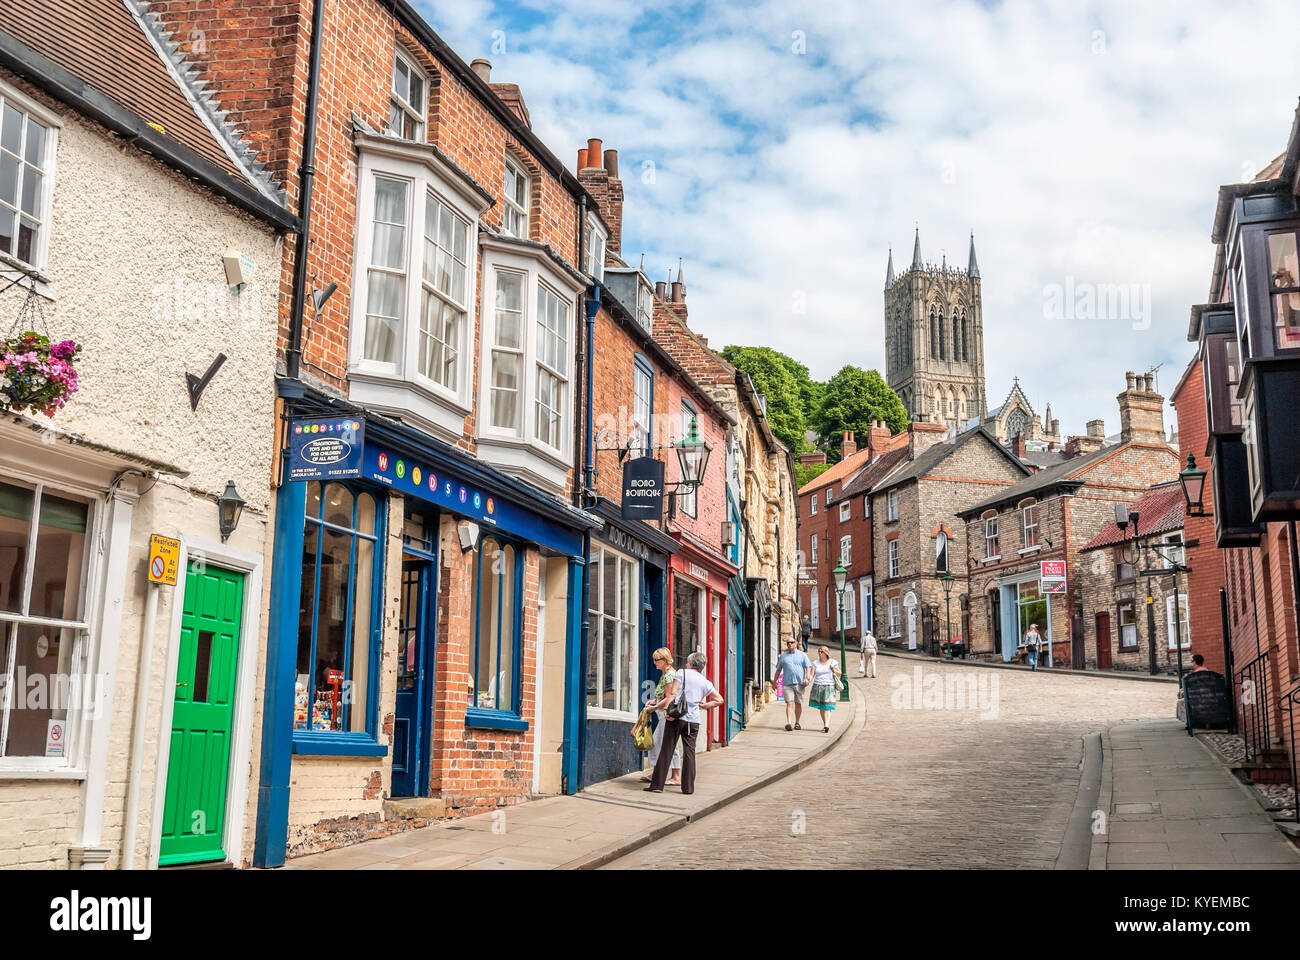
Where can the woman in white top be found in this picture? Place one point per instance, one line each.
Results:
(825, 685)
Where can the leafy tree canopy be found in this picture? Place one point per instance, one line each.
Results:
(850, 400)
(776, 377)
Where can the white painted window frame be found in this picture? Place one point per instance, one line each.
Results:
(53, 124)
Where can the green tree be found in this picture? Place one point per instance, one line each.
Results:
(850, 401)
(774, 376)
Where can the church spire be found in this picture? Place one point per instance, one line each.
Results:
(973, 270)
(916, 250)
(889, 271)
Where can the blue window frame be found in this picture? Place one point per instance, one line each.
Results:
(498, 615)
(336, 685)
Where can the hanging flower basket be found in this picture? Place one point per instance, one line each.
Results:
(36, 374)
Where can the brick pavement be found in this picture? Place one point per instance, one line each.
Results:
(918, 787)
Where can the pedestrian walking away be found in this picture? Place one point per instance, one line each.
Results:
(867, 655)
(697, 694)
(1032, 642)
(665, 691)
(826, 682)
(793, 668)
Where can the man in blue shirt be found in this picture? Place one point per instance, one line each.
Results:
(795, 670)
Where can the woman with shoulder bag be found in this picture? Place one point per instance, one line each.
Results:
(694, 693)
(665, 692)
(825, 685)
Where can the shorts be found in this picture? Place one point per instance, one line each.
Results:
(792, 693)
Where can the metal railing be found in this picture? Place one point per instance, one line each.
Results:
(1291, 703)
(1252, 706)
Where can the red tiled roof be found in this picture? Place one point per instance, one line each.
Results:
(102, 44)
(1160, 510)
(842, 469)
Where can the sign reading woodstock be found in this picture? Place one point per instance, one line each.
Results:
(325, 449)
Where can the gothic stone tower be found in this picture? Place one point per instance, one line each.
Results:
(934, 339)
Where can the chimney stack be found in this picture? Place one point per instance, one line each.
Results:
(878, 438)
(1097, 428)
(848, 446)
(1018, 445)
(1141, 412)
(661, 290)
(483, 68)
(598, 173)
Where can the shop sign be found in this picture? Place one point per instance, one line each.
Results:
(643, 489)
(698, 572)
(325, 449)
(164, 558)
(1051, 575)
(621, 540)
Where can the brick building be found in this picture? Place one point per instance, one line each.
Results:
(440, 591)
(1051, 516)
(916, 535)
(1237, 421)
(1132, 610)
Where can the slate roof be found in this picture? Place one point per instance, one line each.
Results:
(939, 452)
(1160, 510)
(111, 57)
(876, 471)
(1046, 479)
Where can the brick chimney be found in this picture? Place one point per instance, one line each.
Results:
(878, 438)
(1095, 439)
(598, 172)
(1018, 445)
(1141, 411)
(812, 459)
(922, 435)
(848, 446)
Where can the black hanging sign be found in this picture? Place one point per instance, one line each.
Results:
(643, 489)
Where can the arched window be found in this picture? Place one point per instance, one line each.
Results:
(956, 336)
(1016, 423)
(965, 347)
(934, 333)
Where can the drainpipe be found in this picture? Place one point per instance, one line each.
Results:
(138, 727)
(307, 174)
(584, 496)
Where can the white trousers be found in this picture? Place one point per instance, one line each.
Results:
(653, 753)
(867, 664)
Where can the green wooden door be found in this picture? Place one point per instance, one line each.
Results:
(195, 810)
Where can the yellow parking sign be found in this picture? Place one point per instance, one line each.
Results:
(164, 558)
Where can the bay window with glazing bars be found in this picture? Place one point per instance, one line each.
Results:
(335, 690)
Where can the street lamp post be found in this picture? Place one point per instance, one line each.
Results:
(841, 575)
(947, 579)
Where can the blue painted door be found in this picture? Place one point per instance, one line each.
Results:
(411, 726)
(735, 683)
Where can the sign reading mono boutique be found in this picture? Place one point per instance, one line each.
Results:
(643, 489)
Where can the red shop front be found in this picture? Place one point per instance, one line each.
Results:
(698, 600)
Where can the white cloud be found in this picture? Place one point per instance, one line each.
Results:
(1078, 142)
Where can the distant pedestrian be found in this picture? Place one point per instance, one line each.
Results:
(792, 668)
(867, 655)
(664, 693)
(1198, 662)
(805, 631)
(825, 685)
(1032, 643)
(699, 695)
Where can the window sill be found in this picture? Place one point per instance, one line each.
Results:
(494, 719)
(992, 559)
(43, 279)
(530, 461)
(1034, 549)
(41, 773)
(317, 744)
(410, 401)
(604, 713)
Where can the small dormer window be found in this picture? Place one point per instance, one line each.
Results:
(644, 304)
(515, 212)
(407, 101)
(596, 241)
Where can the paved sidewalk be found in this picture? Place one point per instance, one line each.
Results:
(605, 821)
(904, 654)
(1171, 805)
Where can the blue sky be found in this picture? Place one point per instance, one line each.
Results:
(780, 148)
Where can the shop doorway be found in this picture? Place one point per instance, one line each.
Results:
(203, 718)
(412, 706)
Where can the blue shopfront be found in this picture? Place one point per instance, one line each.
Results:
(443, 583)
(627, 623)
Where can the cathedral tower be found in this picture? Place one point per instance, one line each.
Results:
(934, 338)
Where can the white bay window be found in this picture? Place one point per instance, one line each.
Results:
(526, 425)
(413, 308)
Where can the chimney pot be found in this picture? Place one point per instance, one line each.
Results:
(1129, 376)
(582, 157)
(593, 152)
(483, 68)
(661, 289)
(611, 163)
(677, 293)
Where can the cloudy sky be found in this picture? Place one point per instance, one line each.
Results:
(780, 148)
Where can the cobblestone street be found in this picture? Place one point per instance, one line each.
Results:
(985, 786)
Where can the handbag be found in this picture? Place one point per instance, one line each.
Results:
(643, 738)
(677, 709)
